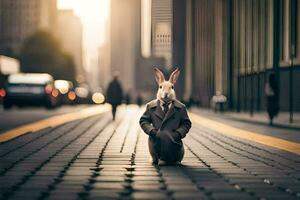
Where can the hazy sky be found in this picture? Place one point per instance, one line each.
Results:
(94, 17)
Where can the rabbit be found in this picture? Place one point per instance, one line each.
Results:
(166, 92)
(165, 121)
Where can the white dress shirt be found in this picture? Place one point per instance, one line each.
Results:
(162, 107)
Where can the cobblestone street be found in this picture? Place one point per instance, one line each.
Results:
(96, 158)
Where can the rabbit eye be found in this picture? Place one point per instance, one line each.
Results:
(160, 87)
(172, 87)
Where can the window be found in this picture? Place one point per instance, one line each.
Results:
(270, 28)
(297, 60)
(242, 37)
(249, 37)
(262, 35)
(285, 34)
(255, 35)
(236, 38)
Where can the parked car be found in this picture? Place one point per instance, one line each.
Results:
(35, 89)
(2, 94)
(8, 66)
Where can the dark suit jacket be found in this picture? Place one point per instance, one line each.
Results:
(172, 127)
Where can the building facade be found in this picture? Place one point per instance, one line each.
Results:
(20, 19)
(104, 65)
(232, 45)
(125, 39)
(161, 28)
(72, 44)
(265, 38)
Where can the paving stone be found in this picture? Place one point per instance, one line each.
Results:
(146, 178)
(27, 194)
(109, 178)
(78, 173)
(108, 185)
(147, 182)
(147, 187)
(180, 187)
(112, 173)
(145, 173)
(76, 178)
(63, 195)
(231, 195)
(182, 195)
(104, 194)
(147, 195)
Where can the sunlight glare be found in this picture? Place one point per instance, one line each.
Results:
(94, 17)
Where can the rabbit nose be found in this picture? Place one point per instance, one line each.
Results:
(165, 94)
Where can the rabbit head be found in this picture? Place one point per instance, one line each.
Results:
(166, 92)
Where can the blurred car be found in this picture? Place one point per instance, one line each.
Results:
(2, 94)
(66, 90)
(8, 66)
(35, 89)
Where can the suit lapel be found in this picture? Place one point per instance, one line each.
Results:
(158, 111)
(169, 114)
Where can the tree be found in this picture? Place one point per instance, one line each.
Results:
(42, 53)
(68, 68)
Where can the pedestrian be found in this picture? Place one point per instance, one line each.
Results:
(166, 122)
(114, 94)
(139, 99)
(271, 91)
(127, 98)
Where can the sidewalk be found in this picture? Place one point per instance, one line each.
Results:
(96, 158)
(258, 123)
(282, 120)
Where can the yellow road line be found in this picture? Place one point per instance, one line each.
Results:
(52, 122)
(222, 128)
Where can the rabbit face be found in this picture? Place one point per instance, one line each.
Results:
(166, 90)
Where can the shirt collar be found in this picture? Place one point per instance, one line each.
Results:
(156, 102)
(162, 107)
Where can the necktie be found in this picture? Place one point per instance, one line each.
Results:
(166, 107)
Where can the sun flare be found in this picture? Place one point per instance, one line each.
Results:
(94, 17)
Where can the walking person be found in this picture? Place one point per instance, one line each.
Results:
(139, 99)
(114, 94)
(127, 98)
(271, 91)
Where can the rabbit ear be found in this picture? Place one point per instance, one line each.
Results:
(159, 76)
(174, 76)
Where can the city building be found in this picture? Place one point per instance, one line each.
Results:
(156, 43)
(265, 38)
(146, 85)
(125, 39)
(104, 59)
(232, 45)
(72, 44)
(20, 19)
(104, 65)
(161, 28)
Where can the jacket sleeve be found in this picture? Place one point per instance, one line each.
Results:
(185, 123)
(146, 122)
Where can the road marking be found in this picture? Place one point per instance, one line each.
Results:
(222, 128)
(52, 122)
